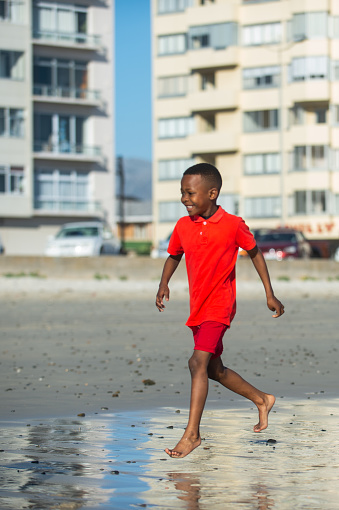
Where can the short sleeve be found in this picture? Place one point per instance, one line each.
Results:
(244, 237)
(175, 247)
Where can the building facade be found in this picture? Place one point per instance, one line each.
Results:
(252, 87)
(57, 159)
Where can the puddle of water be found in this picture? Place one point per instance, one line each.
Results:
(117, 461)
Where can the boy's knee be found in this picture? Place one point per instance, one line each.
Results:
(195, 364)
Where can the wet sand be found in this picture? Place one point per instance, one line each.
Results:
(96, 348)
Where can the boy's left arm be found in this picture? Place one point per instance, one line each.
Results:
(260, 265)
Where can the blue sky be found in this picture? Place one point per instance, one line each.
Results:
(133, 79)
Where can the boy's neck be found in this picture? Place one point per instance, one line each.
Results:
(210, 215)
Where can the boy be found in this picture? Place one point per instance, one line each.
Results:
(210, 239)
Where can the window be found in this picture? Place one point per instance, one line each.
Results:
(297, 115)
(12, 122)
(335, 69)
(61, 190)
(11, 65)
(335, 159)
(61, 133)
(229, 202)
(335, 114)
(11, 11)
(217, 36)
(170, 211)
(173, 168)
(207, 81)
(266, 33)
(62, 78)
(336, 204)
(262, 207)
(60, 21)
(167, 6)
(309, 25)
(310, 202)
(257, 164)
(261, 120)
(261, 77)
(177, 127)
(172, 86)
(309, 68)
(310, 157)
(320, 115)
(11, 180)
(335, 26)
(171, 44)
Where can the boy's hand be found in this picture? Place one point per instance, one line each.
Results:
(163, 292)
(276, 306)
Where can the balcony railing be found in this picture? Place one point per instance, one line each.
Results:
(66, 92)
(66, 148)
(11, 11)
(67, 37)
(59, 205)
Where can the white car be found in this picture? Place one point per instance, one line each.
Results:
(83, 239)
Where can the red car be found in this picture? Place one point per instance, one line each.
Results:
(280, 244)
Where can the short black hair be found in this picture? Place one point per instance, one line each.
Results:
(208, 172)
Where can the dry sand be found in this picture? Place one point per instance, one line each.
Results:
(70, 348)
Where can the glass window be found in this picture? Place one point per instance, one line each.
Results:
(11, 65)
(12, 122)
(261, 77)
(175, 128)
(262, 207)
(262, 120)
(61, 190)
(12, 180)
(266, 33)
(171, 44)
(171, 86)
(170, 211)
(216, 36)
(309, 68)
(309, 25)
(310, 157)
(170, 169)
(59, 133)
(256, 164)
(167, 6)
(311, 202)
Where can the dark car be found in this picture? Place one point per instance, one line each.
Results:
(280, 244)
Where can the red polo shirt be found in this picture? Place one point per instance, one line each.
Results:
(211, 249)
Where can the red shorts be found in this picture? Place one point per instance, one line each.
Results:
(208, 337)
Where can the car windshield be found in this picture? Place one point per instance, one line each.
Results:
(277, 238)
(78, 232)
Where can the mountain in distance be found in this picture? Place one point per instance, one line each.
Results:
(138, 179)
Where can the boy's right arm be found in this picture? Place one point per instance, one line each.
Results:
(170, 266)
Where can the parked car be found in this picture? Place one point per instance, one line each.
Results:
(2, 248)
(161, 251)
(83, 239)
(280, 244)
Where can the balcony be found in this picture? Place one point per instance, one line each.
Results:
(67, 39)
(65, 151)
(212, 100)
(209, 58)
(309, 91)
(214, 142)
(66, 95)
(59, 207)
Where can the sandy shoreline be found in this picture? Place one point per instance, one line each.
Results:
(89, 347)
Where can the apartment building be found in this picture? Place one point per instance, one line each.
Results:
(56, 118)
(252, 87)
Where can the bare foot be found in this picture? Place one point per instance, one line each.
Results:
(264, 409)
(185, 446)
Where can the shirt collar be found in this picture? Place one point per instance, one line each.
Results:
(213, 219)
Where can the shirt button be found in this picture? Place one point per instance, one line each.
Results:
(205, 222)
(201, 233)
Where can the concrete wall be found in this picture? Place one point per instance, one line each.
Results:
(144, 268)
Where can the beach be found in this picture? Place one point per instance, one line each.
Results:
(95, 384)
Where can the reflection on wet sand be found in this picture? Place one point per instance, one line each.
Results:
(118, 461)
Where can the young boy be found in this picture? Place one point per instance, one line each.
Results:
(210, 239)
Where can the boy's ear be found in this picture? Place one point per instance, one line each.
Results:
(214, 193)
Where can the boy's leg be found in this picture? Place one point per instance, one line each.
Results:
(198, 364)
(235, 383)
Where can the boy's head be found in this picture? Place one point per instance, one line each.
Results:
(200, 186)
(209, 173)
